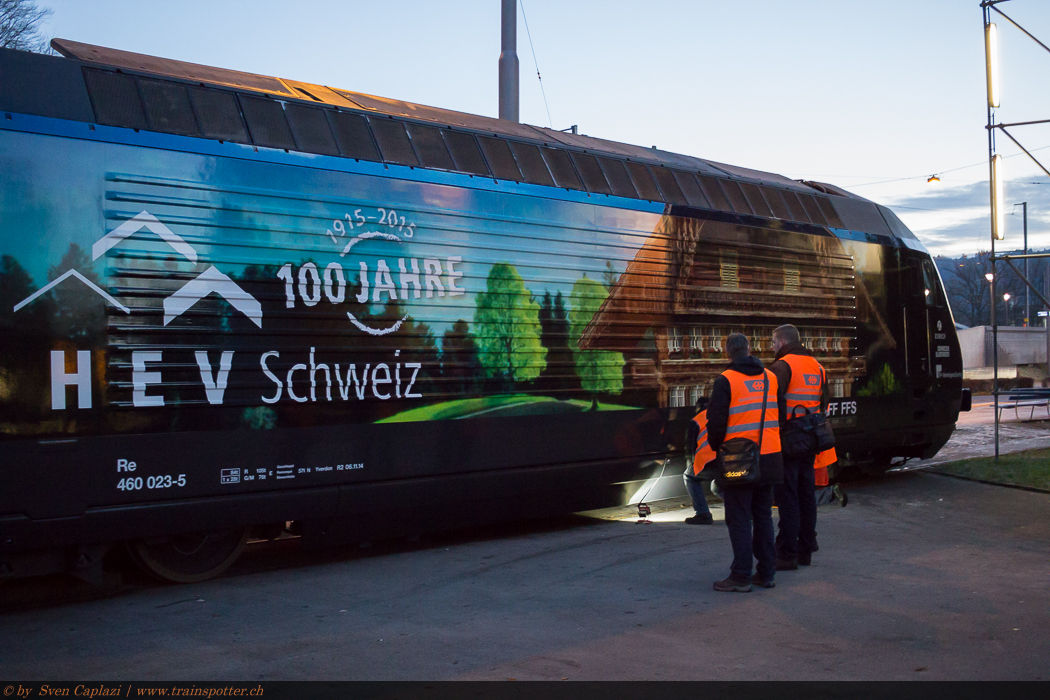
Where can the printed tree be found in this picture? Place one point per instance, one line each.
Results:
(34, 320)
(609, 275)
(599, 370)
(507, 327)
(80, 315)
(26, 334)
(560, 372)
(459, 359)
(414, 340)
(881, 383)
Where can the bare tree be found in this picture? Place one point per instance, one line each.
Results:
(20, 26)
(967, 288)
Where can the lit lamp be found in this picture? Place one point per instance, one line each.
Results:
(991, 64)
(933, 179)
(989, 277)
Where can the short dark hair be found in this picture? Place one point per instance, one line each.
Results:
(737, 346)
(787, 333)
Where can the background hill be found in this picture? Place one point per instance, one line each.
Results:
(967, 288)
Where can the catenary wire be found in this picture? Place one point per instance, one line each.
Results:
(938, 172)
(536, 63)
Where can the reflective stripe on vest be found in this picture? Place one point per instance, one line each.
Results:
(745, 409)
(806, 383)
(704, 453)
(820, 466)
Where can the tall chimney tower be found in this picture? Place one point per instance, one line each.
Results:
(508, 62)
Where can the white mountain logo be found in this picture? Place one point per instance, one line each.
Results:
(211, 281)
(207, 282)
(136, 224)
(59, 280)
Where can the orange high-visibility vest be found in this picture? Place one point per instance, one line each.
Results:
(805, 389)
(745, 409)
(806, 385)
(820, 466)
(704, 453)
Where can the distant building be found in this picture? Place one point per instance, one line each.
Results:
(1022, 351)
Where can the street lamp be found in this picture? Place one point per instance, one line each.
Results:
(1006, 302)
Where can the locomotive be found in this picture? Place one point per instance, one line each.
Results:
(235, 304)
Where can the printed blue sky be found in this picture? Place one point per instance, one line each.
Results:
(850, 92)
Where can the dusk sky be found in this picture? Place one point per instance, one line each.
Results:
(850, 92)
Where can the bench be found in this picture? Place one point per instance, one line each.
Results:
(1026, 398)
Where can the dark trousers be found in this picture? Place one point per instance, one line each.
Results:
(695, 486)
(824, 496)
(745, 505)
(797, 505)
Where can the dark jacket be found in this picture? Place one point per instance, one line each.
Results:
(772, 466)
(783, 371)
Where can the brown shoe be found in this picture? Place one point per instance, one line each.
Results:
(731, 585)
(763, 583)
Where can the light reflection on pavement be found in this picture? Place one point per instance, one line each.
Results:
(974, 435)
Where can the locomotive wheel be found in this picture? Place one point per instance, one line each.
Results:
(189, 558)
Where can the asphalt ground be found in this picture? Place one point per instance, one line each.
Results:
(920, 577)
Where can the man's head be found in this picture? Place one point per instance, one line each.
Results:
(785, 335)
(737, 347)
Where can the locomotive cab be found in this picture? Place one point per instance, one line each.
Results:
(929, 363)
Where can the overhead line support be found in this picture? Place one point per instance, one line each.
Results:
(1027, 152)
(1001, 125)
(1008, 19)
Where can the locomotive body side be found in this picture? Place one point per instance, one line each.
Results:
(201, 336)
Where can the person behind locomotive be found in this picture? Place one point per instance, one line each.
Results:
(734, 411)
(827, 494)
(699, 454)
(800, 383)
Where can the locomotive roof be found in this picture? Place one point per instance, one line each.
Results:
(575, 161)
(298, 90)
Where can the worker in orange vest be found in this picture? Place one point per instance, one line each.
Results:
(744, 404)
(802, 384)
(698, 455)
(825, 493)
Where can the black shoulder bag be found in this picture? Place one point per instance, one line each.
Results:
(806, 434)
(739, 459)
